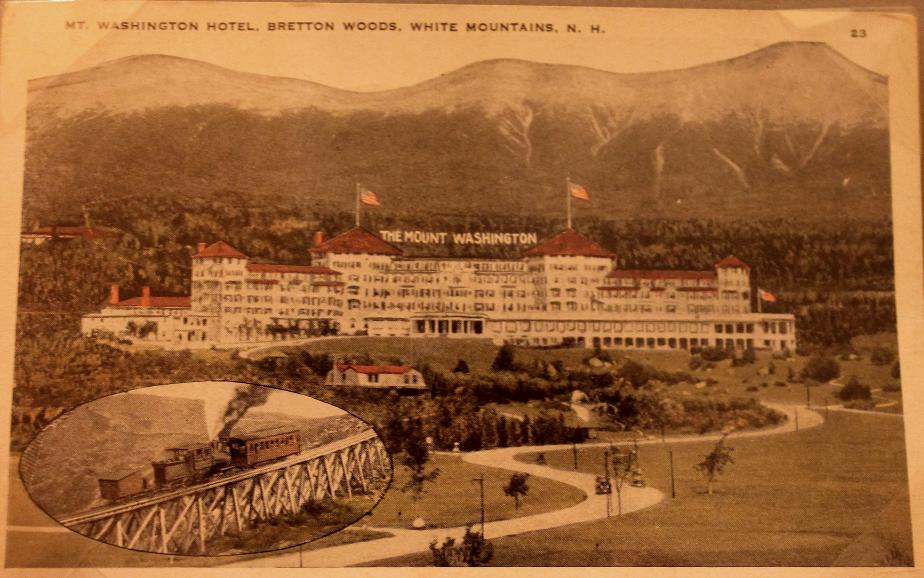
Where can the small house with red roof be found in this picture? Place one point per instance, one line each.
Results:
(375, 376)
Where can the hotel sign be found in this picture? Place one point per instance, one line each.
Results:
(466, 238)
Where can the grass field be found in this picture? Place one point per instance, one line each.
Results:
(832, 495)
(454, 499)
(70, 550)
(440, 353)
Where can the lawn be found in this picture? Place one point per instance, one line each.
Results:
(832, 495)
(440, 353)
(70, 550)
(453, 500)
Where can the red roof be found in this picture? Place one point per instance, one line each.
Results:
(732, 262)
(357, 241)
(87, 232)
(569, 243)
(180, 302)
(274, 268)
(659, 274)
(396, 369)
(221, 249)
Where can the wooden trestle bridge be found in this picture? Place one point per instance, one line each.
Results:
(183, 521)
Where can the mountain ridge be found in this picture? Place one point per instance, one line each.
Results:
(749, 135)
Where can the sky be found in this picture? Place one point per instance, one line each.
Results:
(216, 395)
(633, 40)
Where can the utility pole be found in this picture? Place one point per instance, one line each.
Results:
(606, 477)
(574, 453)
(808, 395)
(797, 418)
(480, 481)
(670, 457)
(827, 401)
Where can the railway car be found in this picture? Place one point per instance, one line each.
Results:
(263, 445)
(185, 464)
(120, 485)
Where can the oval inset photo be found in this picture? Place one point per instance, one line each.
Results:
(206, 468)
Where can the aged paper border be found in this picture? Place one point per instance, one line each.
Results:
(15, 48)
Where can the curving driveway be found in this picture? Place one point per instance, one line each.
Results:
(404, 542)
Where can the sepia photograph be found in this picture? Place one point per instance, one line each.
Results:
(205, 468)
(463, 285)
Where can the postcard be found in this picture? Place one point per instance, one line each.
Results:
(396, 285)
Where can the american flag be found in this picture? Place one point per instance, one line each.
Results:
(367, 197)
(578, 192)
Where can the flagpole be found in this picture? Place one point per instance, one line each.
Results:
(358, 188)
(568, 198)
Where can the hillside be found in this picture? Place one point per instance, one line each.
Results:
(789, 128)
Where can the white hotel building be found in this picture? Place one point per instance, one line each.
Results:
(565, 290)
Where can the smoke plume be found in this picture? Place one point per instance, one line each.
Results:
(245, 397)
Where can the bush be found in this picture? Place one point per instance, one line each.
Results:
(696, 362)
(461, 367)
(714, 354)
(854, 390)
(864, 404)
(882, 356)
(473, 551)
(504, 360)
(821, 368)
(892, 387)
(896, 370)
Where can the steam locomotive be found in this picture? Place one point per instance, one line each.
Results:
(197, 463)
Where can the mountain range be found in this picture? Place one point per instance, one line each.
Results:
(789, 128)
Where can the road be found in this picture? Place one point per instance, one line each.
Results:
(404, 542)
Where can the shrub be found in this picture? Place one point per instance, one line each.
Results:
(473, 551)
(504, 360)
(864, 404)
(821, 368)
(461, 367)
(752, 387)
(892, 387)
(714, 354)
(896, 370)
(854, 390)
(696, 362)
(882, 356)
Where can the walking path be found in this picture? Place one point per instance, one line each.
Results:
(404, 542)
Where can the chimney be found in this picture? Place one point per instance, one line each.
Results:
(114, 294)
(145, 296)
(200, 248)
(317, 239)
